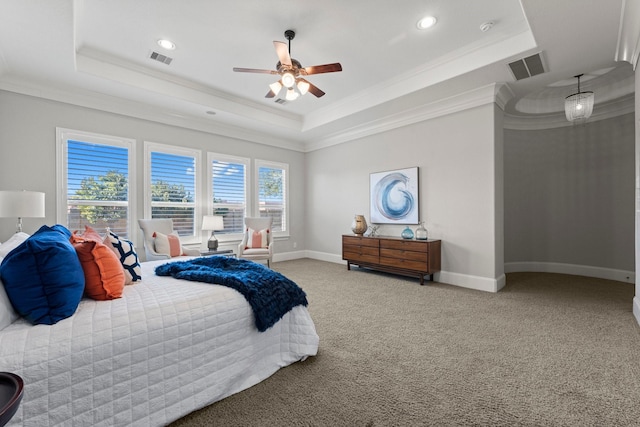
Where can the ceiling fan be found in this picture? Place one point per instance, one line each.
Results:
(292, 80)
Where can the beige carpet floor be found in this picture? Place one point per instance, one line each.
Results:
(547, 350)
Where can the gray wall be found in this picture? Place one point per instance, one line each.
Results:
(460, 161)
(28, 152)
(569, 195)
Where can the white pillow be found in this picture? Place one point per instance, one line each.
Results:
(168, 244)
(13, 242)
(8, 314)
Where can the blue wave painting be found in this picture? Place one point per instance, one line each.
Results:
(394, 197)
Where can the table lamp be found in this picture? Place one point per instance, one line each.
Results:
(213, 223)
(21, 204)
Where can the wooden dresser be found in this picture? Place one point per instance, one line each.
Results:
(393, 254)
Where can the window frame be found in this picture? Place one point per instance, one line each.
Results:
(63, 136)
(149, 147)
(211, 156)
(258, 163)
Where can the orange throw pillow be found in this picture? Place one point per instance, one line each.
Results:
(103, 273)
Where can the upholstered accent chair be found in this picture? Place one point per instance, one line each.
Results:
(165, 226)
(257, 243)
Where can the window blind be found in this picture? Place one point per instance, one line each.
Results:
(271, 195)
(97, 191)
(173, 195)
(229, 183)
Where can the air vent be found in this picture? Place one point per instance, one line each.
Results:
(527, 67)
(160, 58)
(280, 101)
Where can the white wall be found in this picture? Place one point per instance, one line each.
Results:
(28, 152)
(460, 161)
(569, 199)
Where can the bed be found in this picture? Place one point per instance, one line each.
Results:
(164, 349)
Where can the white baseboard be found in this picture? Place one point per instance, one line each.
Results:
(636, 308)
(478, 283)
(455, 279)
(288, 256)
(573, 269)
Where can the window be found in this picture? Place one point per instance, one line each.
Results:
(228, 192)
(94, 181)
(172, 187)
(272, 198)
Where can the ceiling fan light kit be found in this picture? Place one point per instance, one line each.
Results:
(579, 106)
(292, 73)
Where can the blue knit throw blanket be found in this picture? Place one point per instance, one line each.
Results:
(269, 293)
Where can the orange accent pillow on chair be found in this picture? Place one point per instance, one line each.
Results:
(168, 244)
(103, 273)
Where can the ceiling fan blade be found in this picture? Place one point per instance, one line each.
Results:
(270, 94)
(326, 68)
(254, 70)
(312, 88)
(283, 52)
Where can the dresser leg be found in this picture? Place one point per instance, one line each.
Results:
(348, 265)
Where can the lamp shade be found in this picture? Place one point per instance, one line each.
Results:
(21, 204)
(212, 222)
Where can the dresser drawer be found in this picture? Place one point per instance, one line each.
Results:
(406, 264)
(360, 253)
(360, 241)
(405, 245)
(404, 254)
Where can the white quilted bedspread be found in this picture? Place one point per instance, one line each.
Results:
(164, 349)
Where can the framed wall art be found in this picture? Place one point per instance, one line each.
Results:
(394, 196)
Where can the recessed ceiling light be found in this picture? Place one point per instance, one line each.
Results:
(486, 26)
(426, 22)
(211, 112)
(167, 44)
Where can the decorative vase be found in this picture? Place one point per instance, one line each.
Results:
(359, 225)
(407, 233)
(421, 232)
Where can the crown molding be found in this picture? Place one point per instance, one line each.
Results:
(628, 47)
(451, 65)
(474, 98)
(608, 110)
(116, 105)
(107, 67)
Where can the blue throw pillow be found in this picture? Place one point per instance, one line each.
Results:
(43, 277)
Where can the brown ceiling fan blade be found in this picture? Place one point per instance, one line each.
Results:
(270, 94)
(326, 68)
(253, 70)
(313, 88)
(283, 52)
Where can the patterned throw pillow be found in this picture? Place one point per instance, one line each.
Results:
(168, 244)
(257, 239)
(126, 252)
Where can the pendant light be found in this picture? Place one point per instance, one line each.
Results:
(578, 106)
